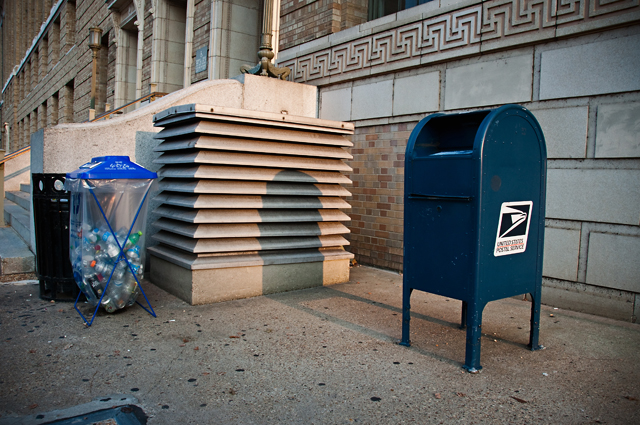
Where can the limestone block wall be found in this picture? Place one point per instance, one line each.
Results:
(579, 73)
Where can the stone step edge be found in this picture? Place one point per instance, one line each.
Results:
(15, 255)
(21, 198)
(19, 219)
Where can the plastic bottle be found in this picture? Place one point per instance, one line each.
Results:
(112, 250)
(88, 261)
(86, 289)
(89, 235)
(86, 227)
(133, 239)
(113, 299)
(108, 238)
(133, 253)
(136, 266)
(118, 273)
(103, 267)
(122, 235)
(101, 255)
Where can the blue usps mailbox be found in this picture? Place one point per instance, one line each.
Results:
(474, 214)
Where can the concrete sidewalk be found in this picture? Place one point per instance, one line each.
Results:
(319, 356)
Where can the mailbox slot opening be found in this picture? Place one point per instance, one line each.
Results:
(449, 134)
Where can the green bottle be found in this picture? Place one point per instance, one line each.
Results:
(133, 239)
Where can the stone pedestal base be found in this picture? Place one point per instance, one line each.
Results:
(198, 280)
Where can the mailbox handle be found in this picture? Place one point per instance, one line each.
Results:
(440, 197)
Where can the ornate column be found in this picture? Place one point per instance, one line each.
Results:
(265, 67)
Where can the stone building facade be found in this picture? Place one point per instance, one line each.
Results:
(575, 64)
(146, 46)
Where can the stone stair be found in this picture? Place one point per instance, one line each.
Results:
(15, 255)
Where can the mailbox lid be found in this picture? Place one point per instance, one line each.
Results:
(441, 155)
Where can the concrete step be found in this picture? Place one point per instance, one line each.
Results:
(21, 198)
(25, 187)
(18, 218)
(15, 256)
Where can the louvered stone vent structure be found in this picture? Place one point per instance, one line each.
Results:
(251, 203)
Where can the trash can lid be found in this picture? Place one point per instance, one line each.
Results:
(111, 167)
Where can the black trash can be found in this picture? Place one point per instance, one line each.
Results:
(51, 219)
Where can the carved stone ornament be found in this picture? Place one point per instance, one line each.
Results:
(264, 66)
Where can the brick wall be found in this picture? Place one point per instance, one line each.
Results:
(354, 12)
(377, 194)
(305, 20)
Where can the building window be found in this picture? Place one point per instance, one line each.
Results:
(380, 8)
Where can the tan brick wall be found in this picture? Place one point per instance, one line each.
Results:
(354, 12)
(306, 20)
(378, 194)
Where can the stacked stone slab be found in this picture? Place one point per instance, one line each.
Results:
(251, 203)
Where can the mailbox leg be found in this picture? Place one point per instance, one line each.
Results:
(463, 320)
(535, 321)
(474, 325)
(406, 315)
